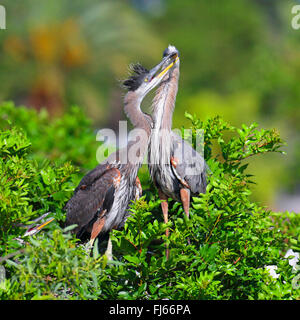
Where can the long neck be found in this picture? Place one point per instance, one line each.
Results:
(138, 147)
(132, 108)
(163, 107)
(164, 101)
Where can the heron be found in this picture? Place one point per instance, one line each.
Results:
(101, 201)
(177, 170)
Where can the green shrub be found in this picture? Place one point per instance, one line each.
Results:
(221, 252)
(53, 266)
(69, 138)
(27, 188)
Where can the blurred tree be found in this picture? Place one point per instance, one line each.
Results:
(69, 52)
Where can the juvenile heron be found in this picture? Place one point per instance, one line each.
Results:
(177, 170)
(101, 200)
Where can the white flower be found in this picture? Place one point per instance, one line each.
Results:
(272, 271)
(293, 261)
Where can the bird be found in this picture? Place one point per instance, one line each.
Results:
(177, 170)
(33, 228)
(101, 200)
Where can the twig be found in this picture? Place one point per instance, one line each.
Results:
(10, 255)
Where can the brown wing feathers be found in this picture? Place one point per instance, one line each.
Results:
(91, 198)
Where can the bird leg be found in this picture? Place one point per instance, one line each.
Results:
(164, 206)
(97, 227)
(185, 198)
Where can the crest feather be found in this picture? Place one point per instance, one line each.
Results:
(138, 73)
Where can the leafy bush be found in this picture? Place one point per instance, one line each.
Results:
(27, 188)
(69, 138)
(221, 252)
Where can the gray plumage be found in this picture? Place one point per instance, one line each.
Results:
(106, 190)
(190, 171)
(173, 163)
(101, 201)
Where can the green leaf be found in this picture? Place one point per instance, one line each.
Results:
(132, 259)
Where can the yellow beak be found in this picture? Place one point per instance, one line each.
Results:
(44, 224)
(176, 58)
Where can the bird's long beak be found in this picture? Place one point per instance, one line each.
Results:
(174, 58)
(33, 230)
(154, 71)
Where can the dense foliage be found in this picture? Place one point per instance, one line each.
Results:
(221, 252)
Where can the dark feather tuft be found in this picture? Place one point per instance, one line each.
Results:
(135, 80)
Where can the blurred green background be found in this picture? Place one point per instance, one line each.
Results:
(240, 59)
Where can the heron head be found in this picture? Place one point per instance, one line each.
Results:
(171, 54)
(170, 50)
(142, 80)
